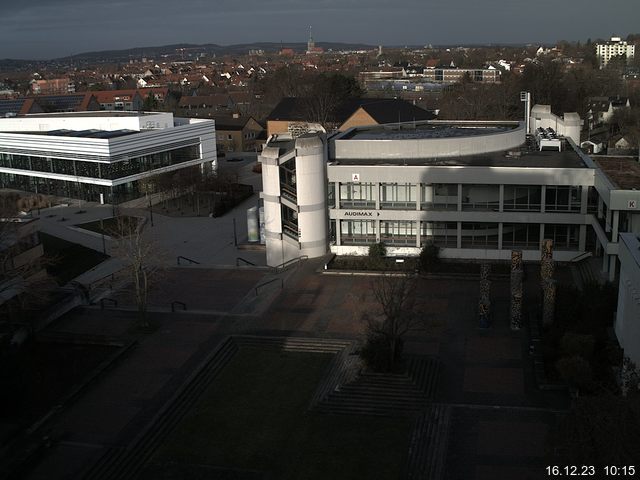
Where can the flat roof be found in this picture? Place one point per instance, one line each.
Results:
(91, 133)
(100, 113)
(426, 130)
(526, 159)
(624, 172)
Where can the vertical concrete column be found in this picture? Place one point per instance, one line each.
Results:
(612, 267)
(377, 224)
(376, 194)
(605, 261)
(541, 235)
(459, 199)
(338, 233)
(459, 234)
(584, 199)
(615, 222)
(500, 234)
(543, 196)
(312, 196)
(418, 195)
(501, 203)
(337, 199)
(418, 225)
(600, 207)
(272, 205)
(582, 238)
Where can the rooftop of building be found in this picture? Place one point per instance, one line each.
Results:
(92, 114)
(428, 130)
(623, 172)
(91, 133)
(523, 158)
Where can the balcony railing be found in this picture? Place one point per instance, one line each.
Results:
(288, 192)
(440, 241)
(365, 204)
(399, 241)
(398, 205)
(484, 206)
(358, 239)
(290, 229)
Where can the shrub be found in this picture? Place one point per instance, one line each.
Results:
(575, 370)
(429, 256)
(376, 353)
(377, 251)
(577, 344)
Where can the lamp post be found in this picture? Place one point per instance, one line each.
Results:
(150, 210)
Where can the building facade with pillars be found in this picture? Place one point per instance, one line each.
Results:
(100, 156)
(476, 189)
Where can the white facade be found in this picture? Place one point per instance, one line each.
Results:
(399, 184)
(108, 153)
(569, 125)
(627, 323)
(615, 47)
(294, 195)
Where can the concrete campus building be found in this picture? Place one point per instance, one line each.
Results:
(100, 156)
(476, 189)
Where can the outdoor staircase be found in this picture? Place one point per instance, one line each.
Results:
(120, 463)
(428, 447)
(384, 394)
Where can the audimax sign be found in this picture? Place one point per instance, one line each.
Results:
(359, 213)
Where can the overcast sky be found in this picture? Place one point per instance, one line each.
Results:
(40, 29)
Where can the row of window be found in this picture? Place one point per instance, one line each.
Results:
(107, 171)
(403, 196)
(445, 234)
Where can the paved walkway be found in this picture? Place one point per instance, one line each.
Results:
(212, 242)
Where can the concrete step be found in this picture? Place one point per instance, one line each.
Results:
(428, 446)
(126, 463)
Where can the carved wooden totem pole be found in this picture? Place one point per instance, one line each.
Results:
(516, 290)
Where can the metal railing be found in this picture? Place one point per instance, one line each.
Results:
(246, 262)
(258, 287)
(187, 259)
(288, 263)
(581, 257)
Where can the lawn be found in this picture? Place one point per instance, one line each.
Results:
(68, 260)
(254, 418)
(111, 226)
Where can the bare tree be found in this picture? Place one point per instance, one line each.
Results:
(142, 257)
(398, 314)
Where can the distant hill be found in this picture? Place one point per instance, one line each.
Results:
(210, 48)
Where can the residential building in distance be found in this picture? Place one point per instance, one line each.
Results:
(119, 100)
(235, 133)
(100, 156)
(450, 76)
(601, 109)
(615, 47)
(74, 102)
(52, 86)
(295, 113)
(71, 102)
(19, 106)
